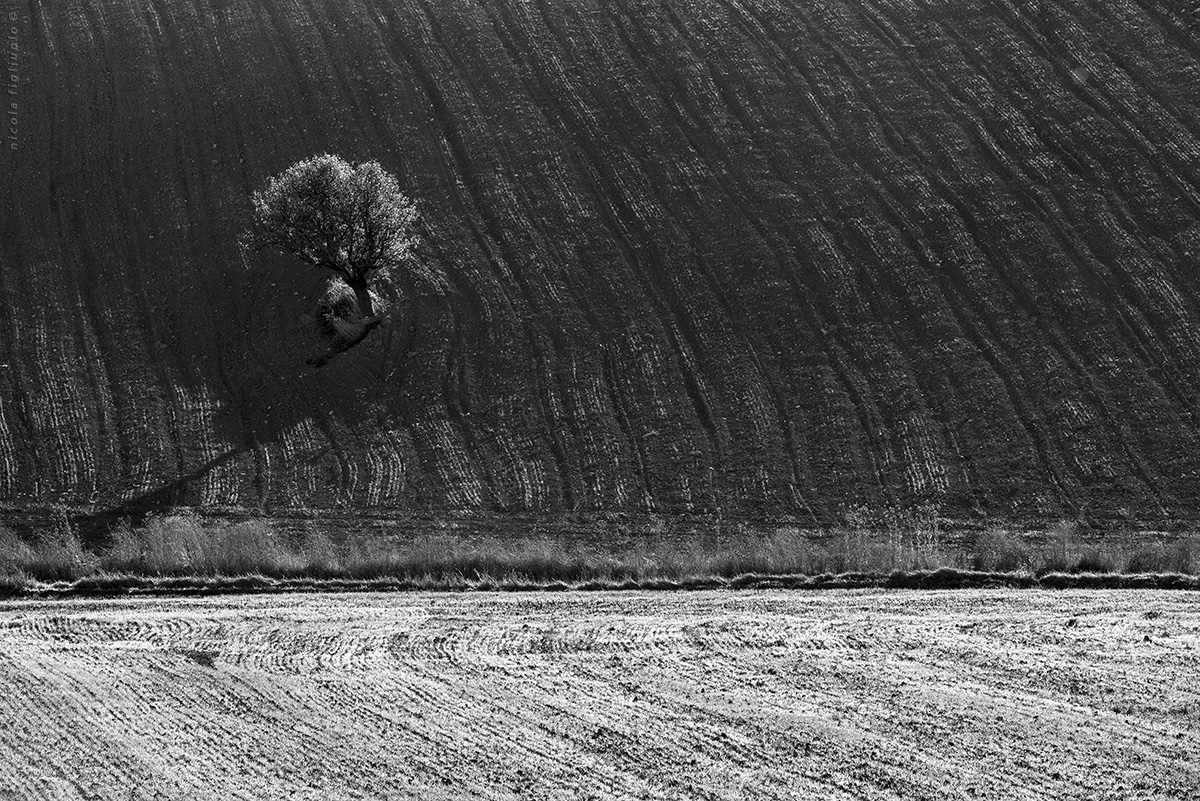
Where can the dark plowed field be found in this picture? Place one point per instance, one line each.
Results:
(758, 256)
(985, 694)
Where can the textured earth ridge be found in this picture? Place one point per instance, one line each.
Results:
(750, 256)
(706, 695)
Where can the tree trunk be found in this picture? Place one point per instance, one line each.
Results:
(363, 295)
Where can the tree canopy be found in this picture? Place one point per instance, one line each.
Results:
(349, 218)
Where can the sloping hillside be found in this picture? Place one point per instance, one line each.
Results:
(758, 256)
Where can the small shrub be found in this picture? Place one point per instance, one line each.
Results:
(125, 551)
(318, 555)
(368, 557)
(999, 551)
(59, 556)
(170, 546)
(181, 545)
(1147, 559)
(1183, 557)
(11, 585)
(1057, 555)
(243, 549)
(53, 555)
(15, 553)
(1093, 561)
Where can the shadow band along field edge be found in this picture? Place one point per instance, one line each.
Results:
(940, 579)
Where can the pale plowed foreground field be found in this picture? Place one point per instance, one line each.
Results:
(997, 694)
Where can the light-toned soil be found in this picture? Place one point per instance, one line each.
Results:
(995, 694)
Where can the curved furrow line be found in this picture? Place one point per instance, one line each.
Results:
(1137, 338)
(785, 64)
(955, 301)
(1107, 89)
(23, 719)
(611, 373)
(1073, 361)
(1110, 424)
(510, 261)
(354, 652)
(53, 627)
(552, 638)
(1115, 197)
(106, 234)
(424, 711)
(842, 695)
(529, 729)
(51, 407)
(620, 202)
(700, 385)
(200, 408)
(299, 480)
(652, 721)
(71, 724)
(179, 631)
(627, 762)
(69, 631)
(8, 455)
(281, 648)
(870, 731)
(24, 389)
(271, 650)
(617, 210)
(604, 447)
(563, 298)
(764, 377)
(100, 408)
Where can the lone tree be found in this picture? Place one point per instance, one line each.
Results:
(351, 219)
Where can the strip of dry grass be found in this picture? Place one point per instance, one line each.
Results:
(182, 551)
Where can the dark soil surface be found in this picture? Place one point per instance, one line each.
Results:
(759, 258)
